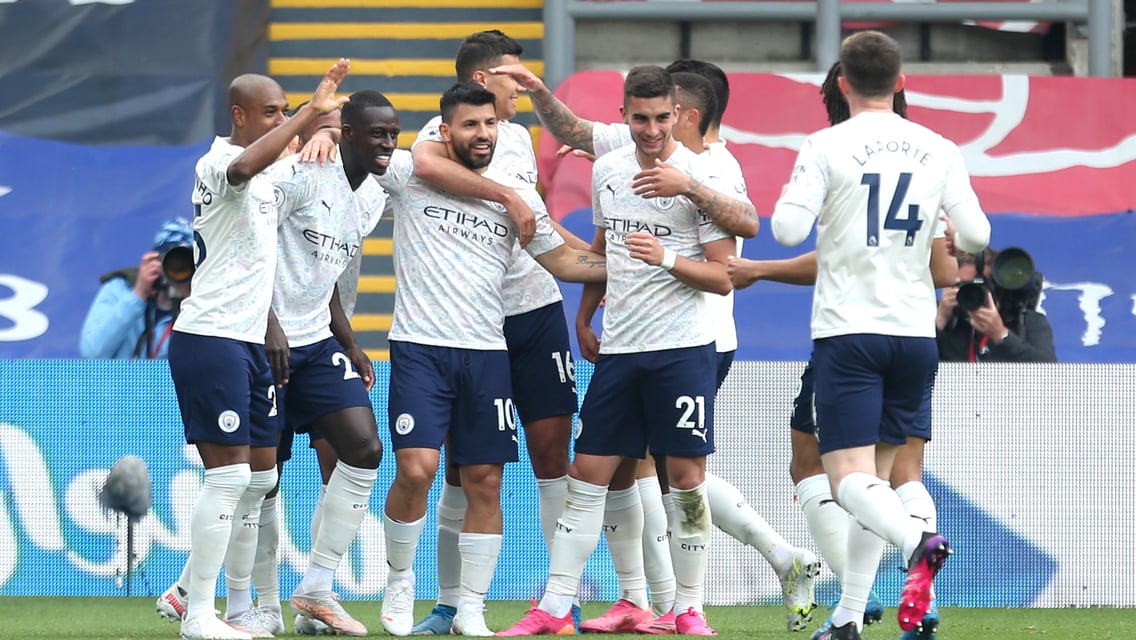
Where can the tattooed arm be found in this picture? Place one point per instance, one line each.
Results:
(556, 117)
(738, 217)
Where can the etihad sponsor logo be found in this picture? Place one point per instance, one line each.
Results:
(621, 226)
(468, 220)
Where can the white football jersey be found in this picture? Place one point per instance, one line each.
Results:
(235, 251)
(876, 184)
(724, 175)
(322, 224)
(609, 137)
(374, 205)
(647, 309)
(450, 257)
(528, 286)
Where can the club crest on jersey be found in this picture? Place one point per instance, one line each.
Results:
(404, 424)
(497, 206)
(228, 421)
(278, 197)
(662, 204)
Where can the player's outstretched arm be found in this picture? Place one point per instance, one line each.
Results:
(433, 165)
(800, 270)
(259, 155)
(738, 217)
(574, 265)
(570, 239)
(556, 117)
(341, 329)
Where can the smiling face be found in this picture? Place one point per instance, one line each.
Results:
(373, 138)
(472, 134)
(650, 120)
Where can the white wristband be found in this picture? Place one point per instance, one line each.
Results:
(669, 258)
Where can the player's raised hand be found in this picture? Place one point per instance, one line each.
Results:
(662, 181)
(324, 100)
(644, 246)
(527, 79)
(579, 153)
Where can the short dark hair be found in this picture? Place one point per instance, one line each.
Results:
(696, 92)
(837, 106)
(482, 50)
(717, 78)
(464, 93)
(352, 112)
(648, 81)
(870, 61)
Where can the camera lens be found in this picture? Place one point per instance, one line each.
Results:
(177, 264)
(971, 295)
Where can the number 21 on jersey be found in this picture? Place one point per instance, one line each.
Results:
(909, 224)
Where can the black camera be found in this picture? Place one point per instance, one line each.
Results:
(1015, 283)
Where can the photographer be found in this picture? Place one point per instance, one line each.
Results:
(1006, 327)
(133, 312)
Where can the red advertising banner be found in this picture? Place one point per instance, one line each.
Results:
(1057, 146)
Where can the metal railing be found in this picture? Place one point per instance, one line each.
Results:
(560, 18)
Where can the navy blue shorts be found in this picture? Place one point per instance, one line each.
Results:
(872, 388)
(321, 381)
(540, 357)
(804, 419)
(225, 391)
(725, 360)
(662, 399)
(463, 394)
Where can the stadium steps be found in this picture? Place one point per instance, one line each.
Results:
(404, 49)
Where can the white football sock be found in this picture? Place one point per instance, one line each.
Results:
(317, 514)
(623, 529)
(875, 506)
(479, 553)
(241, 554)
(864, 552)
(265, 566)
(347, 501)
(552, 492)
(402, 545)
(827, 521)
(209, 533)
(656, 547)
(577, 533)
(451, 518)
(690, 539)
(919, 504)
(730, 512)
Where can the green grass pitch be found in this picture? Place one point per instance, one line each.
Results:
(134, 619)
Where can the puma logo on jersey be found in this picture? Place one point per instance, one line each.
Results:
(326, 205)
(701, 433)
(610, 188)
